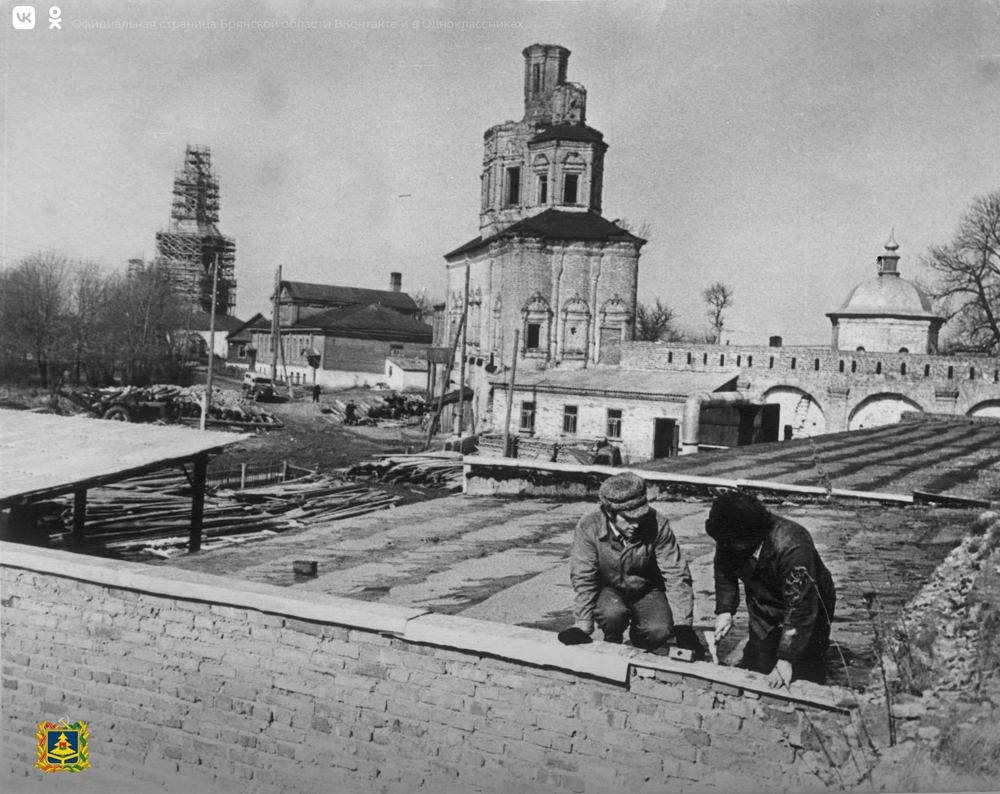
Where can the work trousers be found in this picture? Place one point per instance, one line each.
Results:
(761, 655)
(647, 617)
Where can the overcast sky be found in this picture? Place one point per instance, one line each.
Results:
(771, 145)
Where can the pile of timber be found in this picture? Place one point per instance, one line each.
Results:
(393, 409)
(151, 515)
(435, 469)
(227, 408)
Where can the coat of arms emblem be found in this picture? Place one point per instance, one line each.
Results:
(62, 748)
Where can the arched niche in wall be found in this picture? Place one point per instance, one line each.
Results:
(496, 326)
(801, 415)
(575, 331)
(614, 319)
(536, 327)
(881, 409)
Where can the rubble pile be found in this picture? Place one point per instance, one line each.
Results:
(946, 629)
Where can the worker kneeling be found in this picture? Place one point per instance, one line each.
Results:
(789, 592)
(629, 573)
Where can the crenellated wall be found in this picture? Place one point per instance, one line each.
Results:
(222, 683)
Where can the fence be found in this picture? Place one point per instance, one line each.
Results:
(249, 475)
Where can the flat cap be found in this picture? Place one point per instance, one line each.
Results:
(625, 493)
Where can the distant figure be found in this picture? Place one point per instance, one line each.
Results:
(607, 454)
(349, 412)
(316, 391)
(628, 572)
(790, 595)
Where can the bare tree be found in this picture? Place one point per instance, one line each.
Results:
(968, 277)
(425, 305)
(719, 298)
(34, 309)
(654, 323)
(643, 229)
(88, 299)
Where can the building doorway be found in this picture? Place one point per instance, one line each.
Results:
(666, 437)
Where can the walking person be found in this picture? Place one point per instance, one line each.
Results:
(790, 594)
(316, 392)
(628, 572)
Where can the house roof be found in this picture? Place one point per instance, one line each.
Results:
(345, 296)
(373, 317)
(887, 295)
(224, 323)
(558, 225)
(409, 363)
(569, 132)
(598, 381)
(242, 332)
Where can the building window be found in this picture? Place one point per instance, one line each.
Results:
(793, 362)
(670, 358)
(902, 368)
(614, 423)
(878, 368)
(854, 366)
(513, 186)
(543, 189)
(841, 365)
(749, 361)
(395, 350)
(704, 360)
(528, 417)
(927, 370)
(903, 350)
(770, 364)
(951, 373)
(816, 365)
(860, 349)
(569, 418)
(536, 77)
(241, 351)
(532, 337)
(739, 360)
(972, 373)
(689, 358)
(722, 360)
(570, 184)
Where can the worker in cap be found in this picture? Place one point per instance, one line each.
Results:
(789, 592)
(628, 572)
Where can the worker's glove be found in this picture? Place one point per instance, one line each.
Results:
(574, 636)
(723, 625)
(687, 638)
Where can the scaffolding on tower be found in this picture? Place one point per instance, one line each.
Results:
(188, 249)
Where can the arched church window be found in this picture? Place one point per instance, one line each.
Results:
(878, 368)
(860, 349)
(903, 350)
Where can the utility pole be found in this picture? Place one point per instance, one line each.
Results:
(510, 397)
(275, 329)
(211, 344)
(460, 417)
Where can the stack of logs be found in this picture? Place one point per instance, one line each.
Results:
(151, 516)
(441, 470)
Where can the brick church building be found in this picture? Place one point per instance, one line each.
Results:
(546, 261)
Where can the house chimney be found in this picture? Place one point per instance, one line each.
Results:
(396, 282)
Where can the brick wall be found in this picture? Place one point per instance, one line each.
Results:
(184, 676)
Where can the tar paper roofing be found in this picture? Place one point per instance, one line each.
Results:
(45, 454)
(559, 225)
(610, 381)
(345, 296)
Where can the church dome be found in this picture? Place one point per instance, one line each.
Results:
(887, 294)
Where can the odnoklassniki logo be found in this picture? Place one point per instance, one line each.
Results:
(62, 748)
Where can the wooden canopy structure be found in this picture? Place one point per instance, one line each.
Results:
(44, 455)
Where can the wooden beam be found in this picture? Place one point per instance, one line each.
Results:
(79, 514)
(198, 502)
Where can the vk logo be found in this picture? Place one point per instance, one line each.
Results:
(24, 17)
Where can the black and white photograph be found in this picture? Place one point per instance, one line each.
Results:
(528, 397)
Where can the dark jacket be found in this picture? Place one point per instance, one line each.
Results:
(651, 561)
(788, 588)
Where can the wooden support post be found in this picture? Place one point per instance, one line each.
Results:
(79, 514)
(510, 397)
(284, 470)
(243, 476)
(198, 502)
